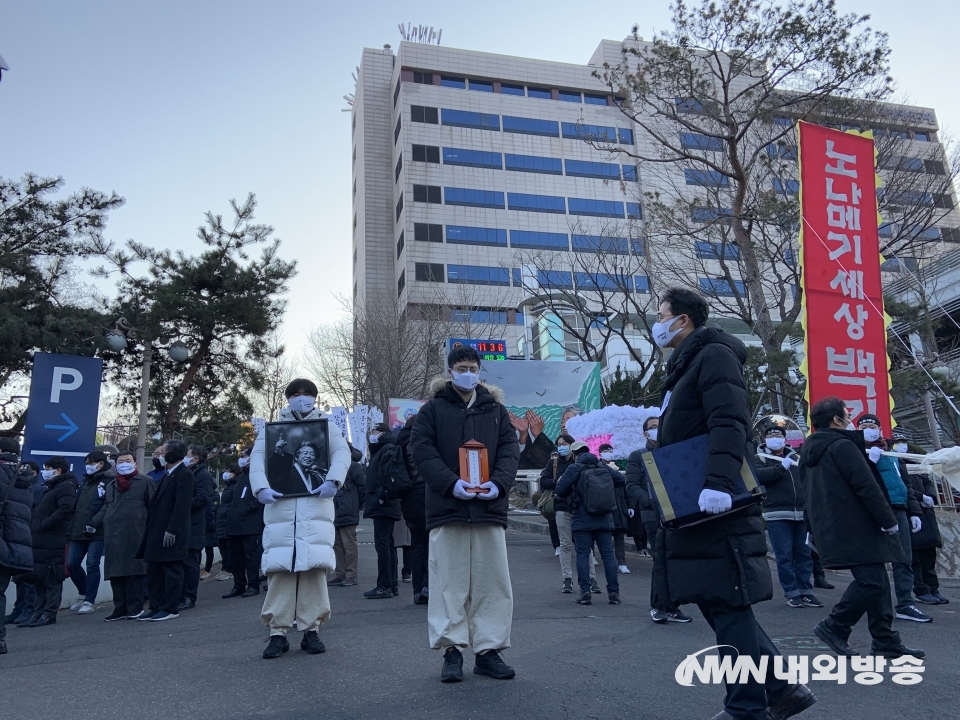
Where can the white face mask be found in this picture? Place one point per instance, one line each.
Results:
(606, 456)
(91, 469)
(662, 334)
(900, 447)
(302, 404)
(871, 434)
(776, 443)
(651, 434)
(227, 475)
(243, 462)
(465, 380)
(374, 439)
(47, 475)
(126, 468)
(188, 460)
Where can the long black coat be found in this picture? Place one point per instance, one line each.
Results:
(550, 476)
(203, 488)
(349, 497)
(722, 561)
(845, 504)
(442, 426)
(638, 490)
(929, 535)
(226, 497)
(169, 511)
(245, 514)
(16, 543)
(122, 521)
(374, 490)
(89, 502)
(51, 520)
(413, 503)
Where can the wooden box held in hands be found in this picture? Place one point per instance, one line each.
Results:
(474, 465)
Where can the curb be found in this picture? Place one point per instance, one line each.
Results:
(529, 526)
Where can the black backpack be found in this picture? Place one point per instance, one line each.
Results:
(392, 472)
(596, 490)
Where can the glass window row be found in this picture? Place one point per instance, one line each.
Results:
(551, 279)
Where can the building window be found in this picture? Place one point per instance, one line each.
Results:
(720, 287)
(634, 212)
(429, 272)
(788, 187)
(399, 206)
(642, 284)
(511, 89)
(426, 153)
(401, 282)
(689, 106)
(396, 94)
(427, 232)
(462, 235)
(781, 150)
(603, 244)
(396, 173)
(711, 251)
(591, 99)
(478, 275)
(539, 240)
(453, 82)
(399, 246)
(537, 203)
(555, 279)
(421, 114)
(534, 164)
(481, 86)
(542, 93)
(709, 214)
(473, 198)
(472, 158)
(705, 178)
(423, 78)
(465, 118)
(583, 168)
(595, 208)
(922, 136)
(530, 126)
(595, 133)
(427, 194)
(696, 141)
(625, 136)
(629, 173)
(478, 317)
(396, 134)
(570, 96)
(599, 281)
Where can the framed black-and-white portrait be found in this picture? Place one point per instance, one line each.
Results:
(297, 456)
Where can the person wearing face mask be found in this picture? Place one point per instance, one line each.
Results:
(50, 529)
(85, 539)
(229, 477)
(158, 469)
(894, 479)
(298, 533)
(386, 465)
(16, 542)
(853, 527)
(167, 536)
(471, 598)
(200, 507)
(243, 526)
(123, 522)
(720, 565)
(783, 512)
(621, 516)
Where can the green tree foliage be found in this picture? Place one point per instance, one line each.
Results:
(634, 389)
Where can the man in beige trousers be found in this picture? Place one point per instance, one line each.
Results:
(298, 533)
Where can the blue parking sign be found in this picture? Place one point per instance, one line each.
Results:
(64, 406)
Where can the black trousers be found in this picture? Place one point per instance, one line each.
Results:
(245, 558)
(925, 580)
(554, 533)
(739, 633)
(419, 555)
(191, 574)
(224, 545)
(26, 595)
(817, 567)
(619, 546)
(868, 593)
(48, 581)
(208, 558)
(658, 581)
(127, 594)
(165, 585)
(386, 552)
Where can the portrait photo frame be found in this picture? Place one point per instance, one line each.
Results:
(297, 456)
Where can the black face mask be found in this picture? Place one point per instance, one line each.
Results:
(172, 458)
(157, 464)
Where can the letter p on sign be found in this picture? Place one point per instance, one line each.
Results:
(60, 382)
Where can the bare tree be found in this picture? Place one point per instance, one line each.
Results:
(278, 371)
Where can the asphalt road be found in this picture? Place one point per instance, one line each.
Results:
(572, 662)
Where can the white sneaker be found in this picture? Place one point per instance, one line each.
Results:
(77, 604)
(556, 553)
(624, 570)
(223, 575)
(85, 608)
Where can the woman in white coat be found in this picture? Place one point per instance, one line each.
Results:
(298, 534)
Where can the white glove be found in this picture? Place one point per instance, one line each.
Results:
(714, 501)
(927, 501)
(460, 493)
(787, 463)
(892, 530)
(268, 496)
(492, 491)
(874, 454)
(915, 524)
(630, 512)
(326, 490)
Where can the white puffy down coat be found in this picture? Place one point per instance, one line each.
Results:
(298, 532)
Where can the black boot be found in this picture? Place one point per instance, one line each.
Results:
(311, 643)
(277, 646)
(41, 621)
(793, 701)
(234, 592)
(820, 581)
(836, 643)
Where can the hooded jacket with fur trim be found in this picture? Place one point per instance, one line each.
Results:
(442, 426)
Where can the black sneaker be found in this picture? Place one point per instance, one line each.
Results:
(794, 701)
(810, 601)
(115, 616)
(567, 585)
(594, 587)
(311, 643)
(452, 670)
(42, 621)
(585, 599)
(421, 599)
(378, 593)
(234, 592)
(613, 598)
(927, 599)
(395, 590)
(490, 663)
(895, 651)
(277, 646)
(186, 605)
(910, 612)
(406, 576)
(658, 616)
(821, 582)
(251, 591)
(675, 616)
(795, 602)
(941, 598)
(164, 615)
(145, 615)
(836, 643)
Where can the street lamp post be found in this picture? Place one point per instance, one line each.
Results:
(118, 339)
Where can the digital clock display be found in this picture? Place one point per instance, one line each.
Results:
(487, 349)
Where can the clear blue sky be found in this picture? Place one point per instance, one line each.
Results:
(179, 106)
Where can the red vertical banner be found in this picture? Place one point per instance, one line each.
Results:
(845, 327)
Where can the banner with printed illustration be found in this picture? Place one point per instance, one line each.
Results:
(402, 409)
(845, 326)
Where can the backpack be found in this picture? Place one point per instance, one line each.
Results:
(596, 490)
(392, 472)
